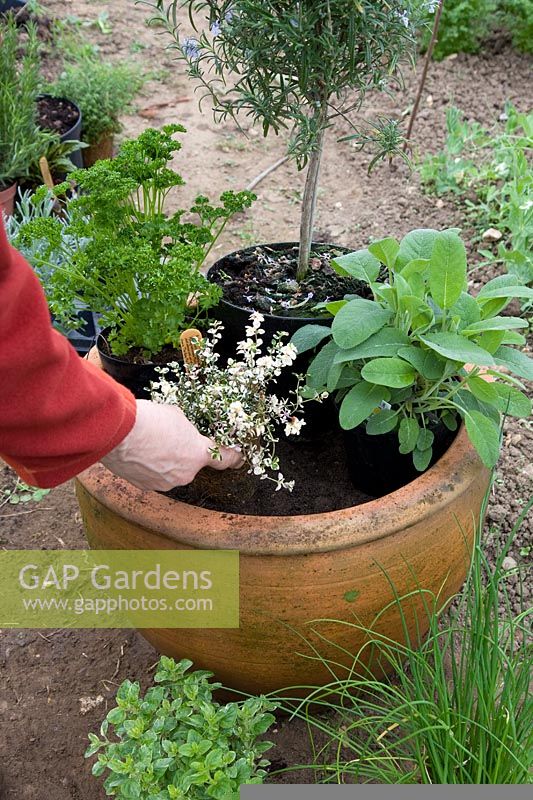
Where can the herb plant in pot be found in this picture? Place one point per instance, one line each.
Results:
(36, 206)
(21, 140)
(419, 358)
(235, 406)
(298, 66)
(103, 91)
(133, 264)
(62, 117)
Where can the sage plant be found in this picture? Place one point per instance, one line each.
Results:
(293, 65)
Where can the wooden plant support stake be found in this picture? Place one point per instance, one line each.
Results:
(189, 341)
(49, 182)
(45, 172)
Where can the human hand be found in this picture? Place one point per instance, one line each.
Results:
(164, 450)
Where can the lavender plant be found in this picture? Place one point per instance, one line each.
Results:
(234, 405)
(293, 65)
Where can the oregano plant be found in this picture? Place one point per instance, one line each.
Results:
(177, 742)
(423, 351)
(293, 66)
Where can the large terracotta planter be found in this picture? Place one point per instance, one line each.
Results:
(294, 570)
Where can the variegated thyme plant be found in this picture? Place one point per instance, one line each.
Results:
(234, 405)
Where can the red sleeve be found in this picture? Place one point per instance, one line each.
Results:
(58, 413)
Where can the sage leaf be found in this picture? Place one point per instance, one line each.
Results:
(491, 340)
(514, 360)
(361, 264)
(511, 401)
(408, 434)
(495, 324)
(383, 343)
(422, 458)
(483, 390)
(425, 362)
(358, 320)
(425, 439)
(416, 267)
(467, 309)
(382, 421)
(447, 269)
(309, 336)
(416, 245)
(359, 403)
(457, 348)
(386, 251)
(317, 374)
(392, 372)
(485, 436)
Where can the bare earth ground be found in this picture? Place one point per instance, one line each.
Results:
(45, 675)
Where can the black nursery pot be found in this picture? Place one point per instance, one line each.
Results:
(84, 338)
(11, 5)
(136, 377)
(375, 464)
(73, 132)
(236, 318)
(319, 417)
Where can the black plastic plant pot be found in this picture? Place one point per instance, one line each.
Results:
(11, 5)
(235, 318)
(136, 377)
(375, 464)
(74, 132)
(320, 418)
(85, 337)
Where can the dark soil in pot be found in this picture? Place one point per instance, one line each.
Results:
(343, 470)
(320, 473)
(375, 464)
(63, 117)
(133, 369)
(263, 278)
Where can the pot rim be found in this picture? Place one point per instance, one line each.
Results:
(192, 526)
(8, 191)
(276, 317)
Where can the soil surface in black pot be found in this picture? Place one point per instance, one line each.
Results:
(56, 114)
(138, 356)
(263, 278)
(134, 370)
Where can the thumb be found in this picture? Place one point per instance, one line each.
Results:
(231, 458)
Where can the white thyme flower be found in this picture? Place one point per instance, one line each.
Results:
(294, 426)
(234, 405)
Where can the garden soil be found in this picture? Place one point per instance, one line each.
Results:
(55, 686)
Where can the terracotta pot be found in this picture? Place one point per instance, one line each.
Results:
(101, 149)
(7, 199)
(294, 570)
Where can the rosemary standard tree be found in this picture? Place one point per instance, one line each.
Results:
(293, 65)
